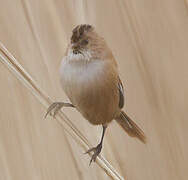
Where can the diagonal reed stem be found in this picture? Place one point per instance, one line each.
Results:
(13, 65)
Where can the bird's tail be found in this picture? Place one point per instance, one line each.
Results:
(130, 127)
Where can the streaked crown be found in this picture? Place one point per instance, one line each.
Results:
(79, 31)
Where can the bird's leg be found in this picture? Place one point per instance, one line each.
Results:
(55, 107)
(98, 148)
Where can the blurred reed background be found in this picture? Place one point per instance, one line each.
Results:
(149, 39)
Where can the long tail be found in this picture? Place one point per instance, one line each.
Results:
(130, 127)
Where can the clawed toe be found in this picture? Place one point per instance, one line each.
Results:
(96, 151)
(55, 107)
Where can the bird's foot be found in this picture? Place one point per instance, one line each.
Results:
(96, 151)
(55, 107)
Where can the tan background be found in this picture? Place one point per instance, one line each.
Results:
(149, 39)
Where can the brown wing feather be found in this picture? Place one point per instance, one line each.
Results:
(121, 94)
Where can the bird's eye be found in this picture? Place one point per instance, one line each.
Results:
(84, 42)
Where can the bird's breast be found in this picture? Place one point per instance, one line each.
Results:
(83, 75)
(91, 87)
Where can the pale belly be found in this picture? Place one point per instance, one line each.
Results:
(92, 88)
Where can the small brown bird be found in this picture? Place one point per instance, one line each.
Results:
(90, 79)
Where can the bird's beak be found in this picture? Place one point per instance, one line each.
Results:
(76, 49)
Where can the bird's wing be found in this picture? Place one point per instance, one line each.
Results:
(121, 94)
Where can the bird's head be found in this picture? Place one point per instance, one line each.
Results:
(85, 41)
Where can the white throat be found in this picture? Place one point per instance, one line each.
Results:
(80, 68)
(83, 56)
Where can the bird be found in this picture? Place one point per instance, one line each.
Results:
(89, 77)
